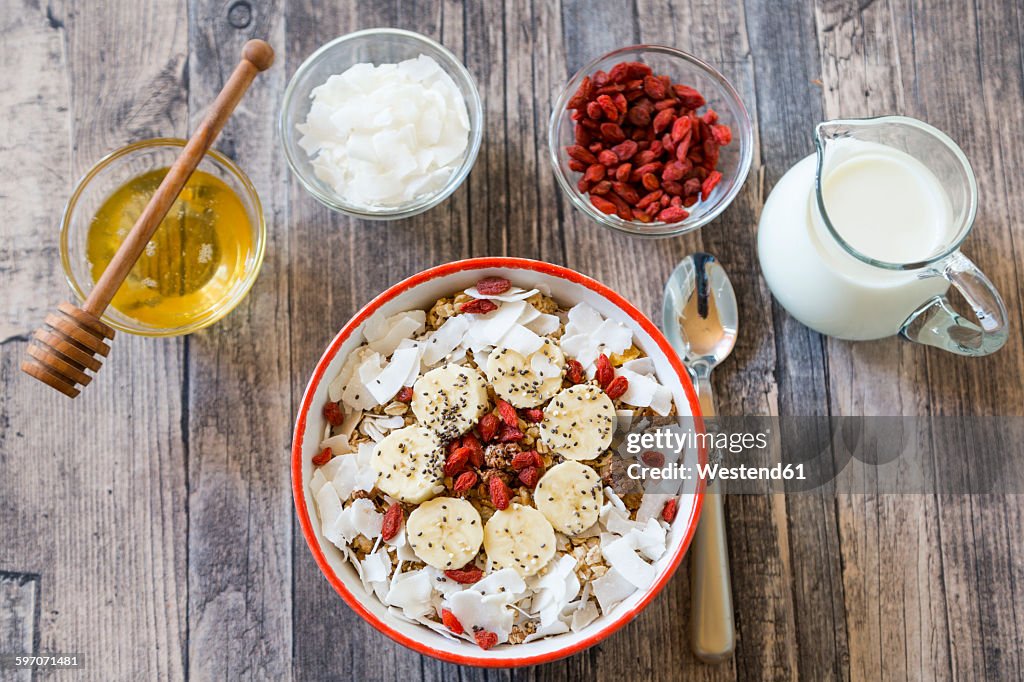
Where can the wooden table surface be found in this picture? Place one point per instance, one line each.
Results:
(149, 524)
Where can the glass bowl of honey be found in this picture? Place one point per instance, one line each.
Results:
(202, 260)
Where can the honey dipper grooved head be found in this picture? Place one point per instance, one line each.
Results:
(60, 353)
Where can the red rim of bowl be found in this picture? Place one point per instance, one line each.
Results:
(318, 374)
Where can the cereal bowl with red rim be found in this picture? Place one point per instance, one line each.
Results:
(419, 292)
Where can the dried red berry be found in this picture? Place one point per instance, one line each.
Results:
(528, 458)
(323, 457)
(574, 372)
(673, 214)
(714, 177)
(500, 494)
(465, 481)
(392, 522)
(663, 119)
(478, 306)
(534, 415)
(493, 286)
(625, 150)
(669, 511)
(485, 639)
(466, 575)
(617, 387)
(529, 476)
(488, 427)
(653, 458)
(456, 461)
(654, 88)
(602, 204)
(722, 134)
(688, 97)
(476, 450)
(404, 394)
(510, 434)
(581, 154)
(604, 373)
(333, 414)
(449, 620)
(595, 173)
(508, 414)
(612, 132)
(582, 94)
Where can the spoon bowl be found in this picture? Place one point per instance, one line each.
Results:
(700, 314)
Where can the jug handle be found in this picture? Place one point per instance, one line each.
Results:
(937, 324)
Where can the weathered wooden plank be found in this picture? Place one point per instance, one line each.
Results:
(238, 388)
(95, 506)
(19, 618)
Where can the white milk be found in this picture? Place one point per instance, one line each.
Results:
(885, 204)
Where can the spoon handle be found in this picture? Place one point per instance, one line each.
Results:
(712, 629)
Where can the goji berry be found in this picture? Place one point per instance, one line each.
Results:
(392, 522)
(476, 450)
(466, 575)
(594, 173)
(456, 461)
(510, 434)
(688, 97)
(608, 108)
(653, 458)
(488, 427)
(449, 620)
(534, 415)
(681, 128)
(612, 132)
(581, 154)
(485, 639)
(333, 414)
(404, 394)
(673, 214)
(323, 457)
(574, 371)
(722, 134)
(663, 120)
(668, 512)
(602, 204)
(582, 93)
(527, 458)
(595, 111)
(465, 481)
(607, 158)
(654, 88)
(625, 150)
(617, 387)
(709, 184)
(500, 495)
(650, 183)
(493, 286)
(479, 306)
(508, 413)
(604, 372)
(601, 188)
(529, 476)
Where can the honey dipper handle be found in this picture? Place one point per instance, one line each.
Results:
(257, 56)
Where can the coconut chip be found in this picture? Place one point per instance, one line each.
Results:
(509, 295)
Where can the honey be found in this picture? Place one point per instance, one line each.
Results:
(196, 259)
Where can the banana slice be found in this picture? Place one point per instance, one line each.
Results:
(450, 400)
(579, 422)
(526, 381)
(520, 538)
(445, 532)
(410, 464)
(569, 496)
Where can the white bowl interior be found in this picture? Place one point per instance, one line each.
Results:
(422, 296)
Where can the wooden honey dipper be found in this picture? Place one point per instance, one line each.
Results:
(73, 340)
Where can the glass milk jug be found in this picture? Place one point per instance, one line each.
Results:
(861, 240)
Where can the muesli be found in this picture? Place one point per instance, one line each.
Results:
(466, 470)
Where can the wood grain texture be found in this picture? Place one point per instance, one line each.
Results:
(162, 534)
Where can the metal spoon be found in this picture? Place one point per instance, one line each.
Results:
(700, 321)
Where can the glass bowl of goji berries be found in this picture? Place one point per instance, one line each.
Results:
(651, 141)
